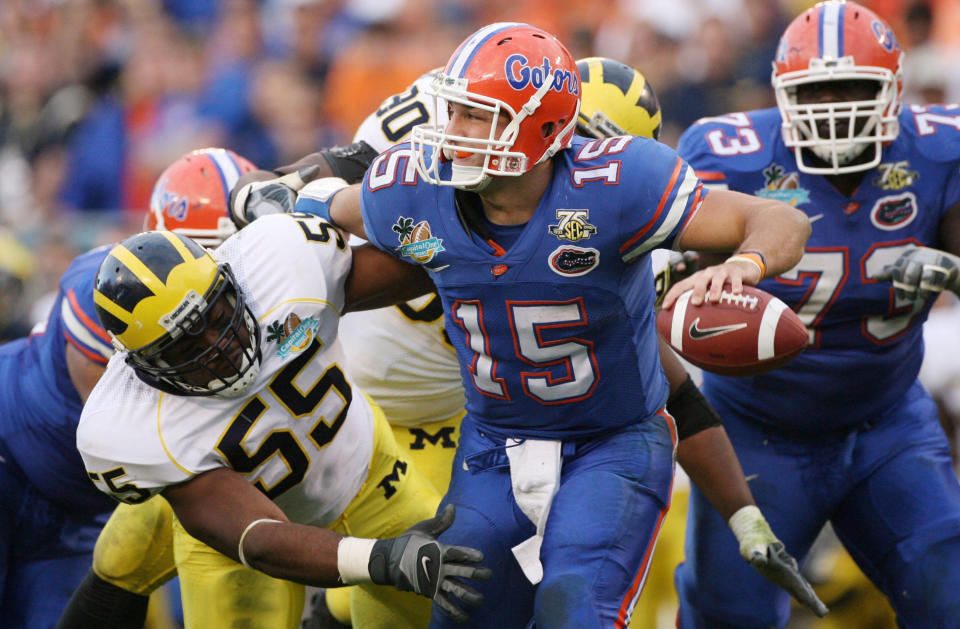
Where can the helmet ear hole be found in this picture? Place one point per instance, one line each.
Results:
(547, 129)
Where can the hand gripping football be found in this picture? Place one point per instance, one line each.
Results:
(739, 335)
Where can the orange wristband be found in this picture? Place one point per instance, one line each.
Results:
(751, 256)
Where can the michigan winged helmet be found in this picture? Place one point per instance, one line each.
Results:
(179, 315)
(616, 99)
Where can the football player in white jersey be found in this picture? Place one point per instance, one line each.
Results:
(135, 551)
(228, 397)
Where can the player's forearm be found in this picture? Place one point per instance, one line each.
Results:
(295, 552)
(221, 509)
(345, 211)
(709, 460)
(776, 230)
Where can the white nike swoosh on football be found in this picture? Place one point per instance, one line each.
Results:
(814, 219)
(696, 332)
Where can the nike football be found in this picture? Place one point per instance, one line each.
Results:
(739, 335)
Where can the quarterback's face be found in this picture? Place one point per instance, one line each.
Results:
(471, 122)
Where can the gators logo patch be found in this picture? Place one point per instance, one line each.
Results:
(894, 212)
(571, 261)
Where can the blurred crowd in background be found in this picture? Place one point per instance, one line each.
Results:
(97, 97)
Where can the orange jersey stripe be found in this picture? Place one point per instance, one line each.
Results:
(87, 321)
(95, 357)
(663, 201)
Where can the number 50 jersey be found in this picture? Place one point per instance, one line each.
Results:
(302, 435)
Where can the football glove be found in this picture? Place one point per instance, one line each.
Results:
(274, 196)
(416, 561)
(766, 553)
(922, 273)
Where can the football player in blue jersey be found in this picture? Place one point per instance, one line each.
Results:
(538, 242)
(845, 433)
(50, 514)
(616, 100)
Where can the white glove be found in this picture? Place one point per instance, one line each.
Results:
(766, 553)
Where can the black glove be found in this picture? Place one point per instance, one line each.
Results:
(274, 196)
(416, 561)
(922, 273)
(779, 567)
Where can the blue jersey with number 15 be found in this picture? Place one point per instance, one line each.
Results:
(865, 346)
(555, 335)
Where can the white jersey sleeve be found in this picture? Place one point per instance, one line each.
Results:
(392, 122)
(303, 434)
(401, 358)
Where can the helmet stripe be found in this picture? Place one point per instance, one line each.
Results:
(830, 35)
(227, 167)
(465, 53)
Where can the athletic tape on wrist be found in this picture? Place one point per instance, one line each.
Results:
(745, 521)
(353, 559)
(243, 536)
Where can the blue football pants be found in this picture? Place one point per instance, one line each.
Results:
(599, 537)
(890, 492)
(45, 552)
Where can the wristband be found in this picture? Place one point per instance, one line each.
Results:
(353, 559)
(316, 196)
(754, 257)
(691, 410)
(243, 536)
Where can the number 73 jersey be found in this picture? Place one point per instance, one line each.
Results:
(865, 344)
(302, 434)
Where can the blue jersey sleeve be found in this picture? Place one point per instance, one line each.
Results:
(81, 326)
(937, 137)
(662, 193)
(388, 187)
(741, 142)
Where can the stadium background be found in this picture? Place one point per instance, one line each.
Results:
(97, 97)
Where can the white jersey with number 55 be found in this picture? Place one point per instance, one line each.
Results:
(302, 434)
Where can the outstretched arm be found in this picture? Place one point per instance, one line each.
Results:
(704, 450)
(766, 236)
(378, 279)
(706, 454)
(223, 510)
